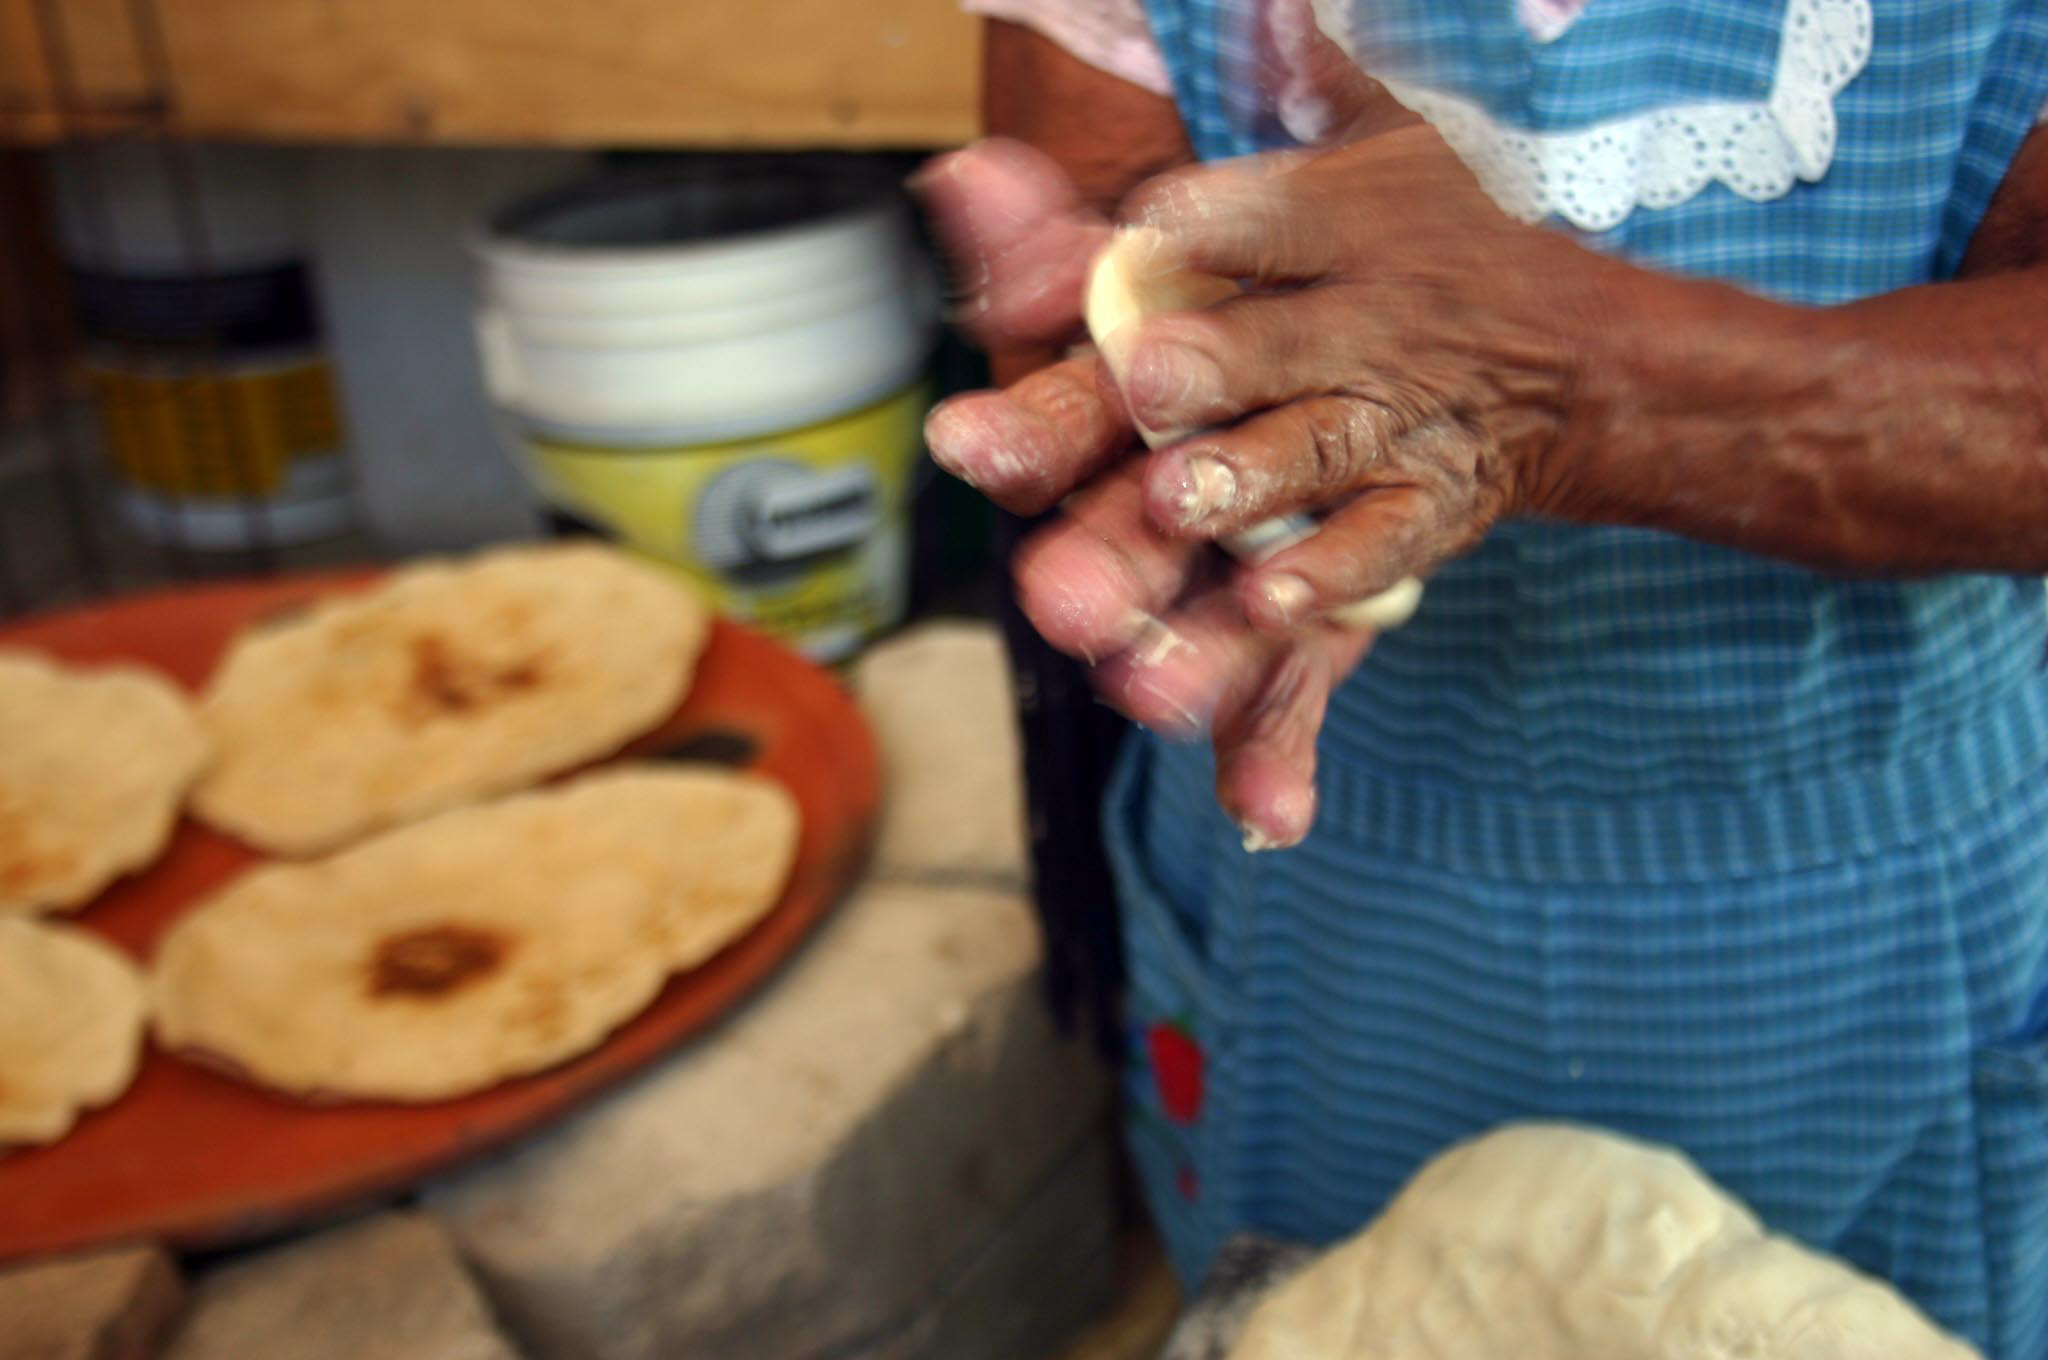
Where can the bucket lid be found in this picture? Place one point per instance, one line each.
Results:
(698, 235)
(698, 201)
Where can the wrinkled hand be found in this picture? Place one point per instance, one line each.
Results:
(1401, 365)
(1404, 362)
(1154, 612)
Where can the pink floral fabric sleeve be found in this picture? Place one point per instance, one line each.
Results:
(1111, 35)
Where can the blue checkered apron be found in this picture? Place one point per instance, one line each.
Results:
(1630, 830)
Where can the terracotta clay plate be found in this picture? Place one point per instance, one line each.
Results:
(199, 1159)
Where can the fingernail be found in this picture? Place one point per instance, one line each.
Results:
(1156, 642)
(1287, 596)
(1206, 487)
(1186, 724)
(1292, 815)
(1256, 840)
(1169, 381)
(979, 447)
(946, 433)
(945, 166)
(1134, 627)
(1082, 624)
(970, 308)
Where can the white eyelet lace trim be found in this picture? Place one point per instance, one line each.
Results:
(1594, 177)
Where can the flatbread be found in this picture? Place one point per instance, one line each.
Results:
(71, 1013)
(454, 681)
(1546, 1242)
(1139, 274)
(480, 944)
(93, 766)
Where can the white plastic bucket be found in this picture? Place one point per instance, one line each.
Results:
(724, 369)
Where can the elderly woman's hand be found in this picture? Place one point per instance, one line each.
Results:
(1405, 363)
(1399, 367)
(1153, 611)
(1412, 365)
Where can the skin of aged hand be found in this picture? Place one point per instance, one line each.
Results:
(1413, 365)
(1020, 217)
(1121, 577)
(1101, 580)
(1405, 363)
(1418, 366)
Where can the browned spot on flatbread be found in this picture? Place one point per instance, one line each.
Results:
(443, 682)
(24, 864)
(436, 960)
(14, 846)
(19, 873)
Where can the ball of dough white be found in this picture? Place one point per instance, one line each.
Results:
(1545, 1242)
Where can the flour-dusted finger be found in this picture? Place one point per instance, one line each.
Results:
(1094, 581)
(1359, 568)
(1258, 220)
(1266, 740)
(1032, 443)
(1017, 239)
(1296, 458)
(1191, 370)
(1198, 664)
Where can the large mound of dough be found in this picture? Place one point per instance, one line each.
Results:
(93, 766)
(1542, 1242)
(451, 682)
(71, 1012)
(483, 943)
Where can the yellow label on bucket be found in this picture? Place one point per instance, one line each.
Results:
(222, 433)
(803, 532)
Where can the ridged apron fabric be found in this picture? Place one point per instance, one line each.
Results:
(1627, 829)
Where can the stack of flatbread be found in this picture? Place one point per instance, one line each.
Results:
(93, 766)
(458, 927)
(71, 1013)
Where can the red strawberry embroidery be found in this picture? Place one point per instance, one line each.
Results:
(1177, 1070)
